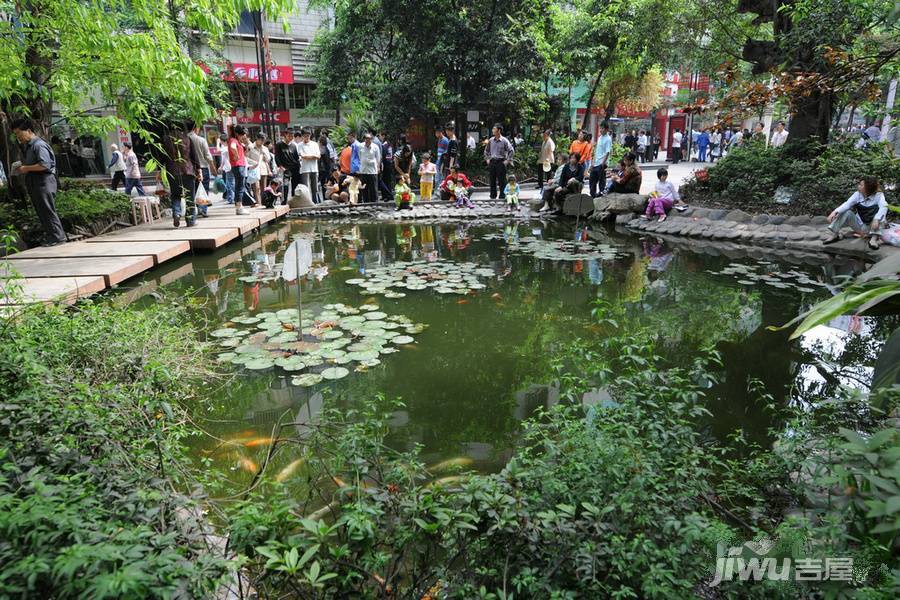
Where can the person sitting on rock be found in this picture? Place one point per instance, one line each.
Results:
(569, 181)
(629, 182)
(663, 198)
(863, 212)
(453, 177)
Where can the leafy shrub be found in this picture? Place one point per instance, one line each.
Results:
(823, 177)
(90, 422)
(78, 205)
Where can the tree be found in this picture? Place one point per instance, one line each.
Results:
(69, 55)
(611, 44)
(416, 60)
(807, 53)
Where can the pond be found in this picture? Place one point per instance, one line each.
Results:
(462, 321)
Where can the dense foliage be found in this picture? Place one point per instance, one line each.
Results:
(625, 497)
(821, 177)
(91, 470)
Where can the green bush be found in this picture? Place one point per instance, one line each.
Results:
(822, 176)
(78, 205)
(90, 458)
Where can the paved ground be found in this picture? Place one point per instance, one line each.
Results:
(79, 269)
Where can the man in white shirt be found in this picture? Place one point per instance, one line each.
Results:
(863, 212)
(310, 153)
(780, 135)
(470, 143)
(676, 147)
(369, 163)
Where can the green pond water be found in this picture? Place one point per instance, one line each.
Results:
(462, 321)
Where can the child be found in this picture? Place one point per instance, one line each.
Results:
(461, 194)
(661, 200)
(272, 194)
(354, 185)
(403, 195)
(511, 191)
(427, 171)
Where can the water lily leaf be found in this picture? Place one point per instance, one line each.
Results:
(368, 307)
(335, 373)
(403, 339)
(223, 333)
(258, 363)
(307, 379)
(333, 334)
(225, 357)
(232, 342)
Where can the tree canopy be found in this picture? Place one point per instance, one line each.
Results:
(126, 55)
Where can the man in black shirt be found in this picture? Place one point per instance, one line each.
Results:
(39, 169)
(287, 158)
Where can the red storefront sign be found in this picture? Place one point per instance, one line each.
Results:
(281, 117)
(250, 72)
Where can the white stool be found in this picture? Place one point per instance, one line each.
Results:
(146, 206)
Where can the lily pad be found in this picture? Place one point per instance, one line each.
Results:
(403, 339)
(307, 379)
(225, 332)
(259, 363)
(335, 373)
(226, 357)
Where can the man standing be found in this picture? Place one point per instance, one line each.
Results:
(39, 168)
(780, 135)
(287, 158)
(207, 163)
(442, 144)
(601, 159)
(497, 154)
(386, 183)
(132, 171)
(309, 163)
(676, 147)
(369, 162)
(116, 166)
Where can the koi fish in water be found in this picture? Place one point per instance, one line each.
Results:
(446, 481)
(463, 301)
(248, 465)
(461, 461)
(263, 441)
(289, 470)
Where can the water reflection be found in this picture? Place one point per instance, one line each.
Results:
(483, 364)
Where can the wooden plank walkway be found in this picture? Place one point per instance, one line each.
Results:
(78, 269)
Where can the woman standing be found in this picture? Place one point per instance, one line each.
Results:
(642, 144)
(403, 158)
(546, 159)
(237, 137)
(325, 162)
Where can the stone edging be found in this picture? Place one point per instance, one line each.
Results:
(777, 231)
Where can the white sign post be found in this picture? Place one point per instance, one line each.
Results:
(297, 261)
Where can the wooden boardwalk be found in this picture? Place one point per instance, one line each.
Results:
(78, 269)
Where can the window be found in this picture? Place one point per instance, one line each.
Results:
(299, 94)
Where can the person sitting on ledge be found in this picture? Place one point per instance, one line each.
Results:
(629, 182)
(863, 212)
(663, 198)
(569, 181)
(336, 186)
(452, 178)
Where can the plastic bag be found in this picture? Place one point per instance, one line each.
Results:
(253, 175)
(201, 197)
(890, 234)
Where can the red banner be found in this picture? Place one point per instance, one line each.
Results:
(281, 117)
(250, 72)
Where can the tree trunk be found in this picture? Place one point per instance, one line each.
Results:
(38, 65)
(590, 100)
(812, 118)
